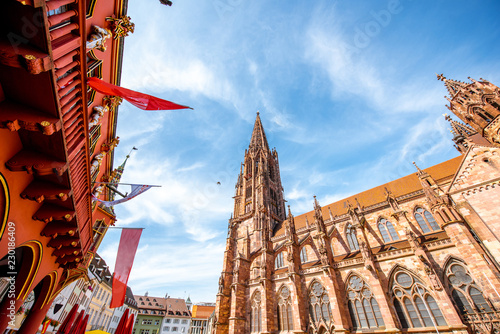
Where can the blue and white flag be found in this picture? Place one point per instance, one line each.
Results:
(137, 189)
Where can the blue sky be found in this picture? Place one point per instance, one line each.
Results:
(347, 93)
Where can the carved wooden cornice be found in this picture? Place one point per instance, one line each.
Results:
(23, 55)
(49, 212)
(37, 163)
(59, 228)
(40, 190)
(15, 116)
(64, 241)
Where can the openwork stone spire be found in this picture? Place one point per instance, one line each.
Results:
(453, 86)
(258, 139)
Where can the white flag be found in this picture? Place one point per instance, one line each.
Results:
(137, 189)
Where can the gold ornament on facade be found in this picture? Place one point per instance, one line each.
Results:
(121, 26)
(110, 145)
(112, 102)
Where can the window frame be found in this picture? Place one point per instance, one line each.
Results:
(424, 214)
(352, 240)
(358, 292)
(386, 226)
(406, 293)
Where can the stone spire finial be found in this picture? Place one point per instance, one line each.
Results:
(440, 77)
(258, 139)
(289, 213)
(420, 172)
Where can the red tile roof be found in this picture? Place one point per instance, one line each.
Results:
(202, 312)
(403, 186)
(172, 306)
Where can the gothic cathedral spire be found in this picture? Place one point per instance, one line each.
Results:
(259, 188)
(478, 105)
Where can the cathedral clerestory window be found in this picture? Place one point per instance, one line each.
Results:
(278, 261)
(363, 308)
(255, 315)
(414, 305)
(350, 233)
(387, 230)
(425, 220)
(466, 294)
(319, 304)
(285, 317)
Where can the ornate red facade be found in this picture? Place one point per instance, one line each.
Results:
(56, 139)
(418, 254)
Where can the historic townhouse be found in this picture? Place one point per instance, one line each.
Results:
(162, 315)
(418, 254)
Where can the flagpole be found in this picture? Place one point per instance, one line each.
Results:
(123, 228)
(127, 228)
(125, 184)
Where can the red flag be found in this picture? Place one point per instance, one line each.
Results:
(45, 326)
(140, 100)
(120, 329)
(83, 325)
(130, 324)
(124, 260)
(68, 321)
(77, 323)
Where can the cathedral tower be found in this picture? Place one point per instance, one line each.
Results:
(258, 188)
(259, 207)
(477, 104)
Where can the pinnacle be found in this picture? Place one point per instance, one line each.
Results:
(420, 172)
(458, 128)
(453, 86)
(258, 139)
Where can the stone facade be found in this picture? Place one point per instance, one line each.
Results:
(418, 254)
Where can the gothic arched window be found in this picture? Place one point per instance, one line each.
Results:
(387, 230)
(483, 114)
(350, 233)
(319, 304)
(303, 255)
(255, 313)
(278, 261)
(425, 220)
(466, 294)
(285, 317)
(414, 304)
(362, 305)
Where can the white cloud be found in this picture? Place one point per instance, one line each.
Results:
(361, 73)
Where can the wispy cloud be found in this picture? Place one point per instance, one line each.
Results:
(342, 120)
(362, 72)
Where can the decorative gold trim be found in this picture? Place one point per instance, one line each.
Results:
(53, 283)
(36, 261)
(91, 97)
(91, 8)
(95, 134)
(92, 55)
(5, 188)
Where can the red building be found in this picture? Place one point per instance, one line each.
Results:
(419, 254)
(56, 140)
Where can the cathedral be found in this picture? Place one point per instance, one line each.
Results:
(416, 255)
